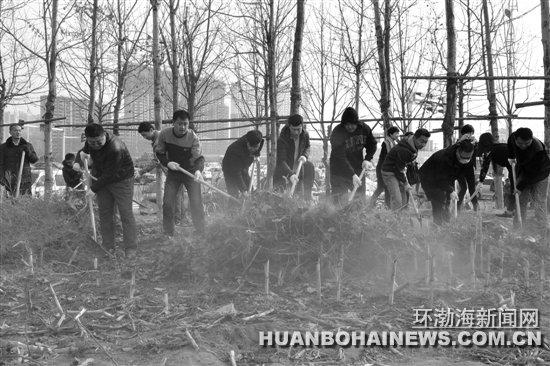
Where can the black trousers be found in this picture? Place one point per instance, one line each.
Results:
(441, 202)
(172, 185)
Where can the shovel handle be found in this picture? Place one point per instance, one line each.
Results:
(251, 177)
(293, 188)
(90, 199)
(180, 169)
(352, 193)
(20, 174)
(518, 207)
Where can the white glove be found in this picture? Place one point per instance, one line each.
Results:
(479, 185)
(356, 180)
(367, 165)
(172, 165)
(84, 156)
(303, 159)
(454, 196)
(408, 187)
(90, 193)
(198, 176)
(512, 161)
(293, 179)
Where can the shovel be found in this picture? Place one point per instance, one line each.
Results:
(354, 190)
(20, 174)
(516, 195)
(298, 169)
(89, 199)
(180, 169)
(252, 176)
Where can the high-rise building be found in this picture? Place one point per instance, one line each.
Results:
(74, 110)
(214, 108)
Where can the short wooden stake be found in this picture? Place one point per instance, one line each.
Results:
(166, 304)
(31, 261)
(526, 270)
(191, 339)
(319, 278)
(133, 285)
(232, 358)
(428, 255)
(266, 273)
(450, 264)
(392, 282)
(542, 276)
(488, 255)
(473, 262)
(340, 272)
(97, 274)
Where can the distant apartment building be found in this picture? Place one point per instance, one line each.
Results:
(74, 110)
(213, 107)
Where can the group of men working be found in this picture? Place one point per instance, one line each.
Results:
(178, 150)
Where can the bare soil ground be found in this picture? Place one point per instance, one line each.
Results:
(102, 319)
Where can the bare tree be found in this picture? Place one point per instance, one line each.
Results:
(382, 46)
(491, 96)
(93, 62)
(545, 30)
(450, 112)
(295, 95)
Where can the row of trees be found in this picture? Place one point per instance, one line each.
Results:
(328, 54)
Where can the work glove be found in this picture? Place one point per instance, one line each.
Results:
(172, 165)
(303, 159)
(84, 156)
(293, 179)
(198, 176)
(367, 165)
(408, 187)
(454, 196)
(90, 194)
(356, 180)
(512, 161)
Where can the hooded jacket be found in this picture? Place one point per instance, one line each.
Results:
(10, 159)
(236, 162)
(441, 170)
(397, 159)
(70, 175)
(498, 156)
(533, 164)
(112, 163)
(386, 147)
(346, 156)
(284, 166)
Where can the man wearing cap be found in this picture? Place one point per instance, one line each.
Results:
(532, 168)
(466, 181)
(438, 174)
(292, 146)
(237, 160)
(496, 154)
(391, 140)
(348, 139)
(179, 147)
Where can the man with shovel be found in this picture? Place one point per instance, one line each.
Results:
(178, 147)
(395, 163)
(347, 160)
(438, 175)
(529, 158)
(113, 182)
(237, 160)
(10, 160)
(292, 146)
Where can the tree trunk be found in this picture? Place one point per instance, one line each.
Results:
(491, 96)
(2, 109)
(545, 30)
(93, 63)
(295, 93)
(460, 103)
(450, 111)
(156, 90)
(51, 59)
(175, 75)
(359, 64)
(384, 97)
(272, 75)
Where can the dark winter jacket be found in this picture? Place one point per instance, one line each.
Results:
(533, 164)
(346, 156)
(70, 175)
(442, 169)
(397, 159)
(184, 150)
(236, 162)
(10, 159)
(112, 163)
(498, 156)
(286, 151)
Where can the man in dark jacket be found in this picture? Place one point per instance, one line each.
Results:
(389, 142)
(113, 183)
(10, 160)
(178, 146)
(237, 160)
(465, 181)
(393, 168)
(439, 173)
(348, 140)
(496, 154)
(71, 176)
(532, 169)
(293, 145)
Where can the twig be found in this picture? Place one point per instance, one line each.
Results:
(62, 317)
(166, 304)
(254, 316)
(193, 343)
(319, 279)
(232, 358)
(266, 275)
(133, 284)
(392, 282)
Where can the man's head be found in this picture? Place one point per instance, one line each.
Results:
(69, 159)
(393, 133)
(82, 137)
(464, 152)
(95, 136)
(15, 131)
(296, 125)
(467, 130)
(486, 142)
(523, 138)
(420, 138)
(253, 141)
(350, 119)
(180, 121)
(146, 130)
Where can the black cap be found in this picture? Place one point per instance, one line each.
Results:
(253, 137)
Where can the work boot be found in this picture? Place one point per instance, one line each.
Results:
(506, 213)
